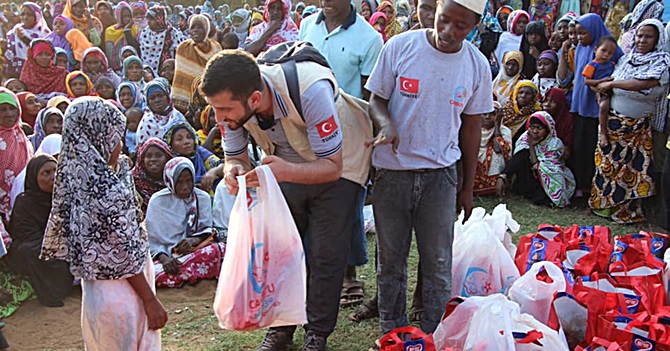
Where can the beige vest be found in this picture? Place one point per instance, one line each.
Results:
(356, 126)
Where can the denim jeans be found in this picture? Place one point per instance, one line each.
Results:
(358, 255)
(423, 201)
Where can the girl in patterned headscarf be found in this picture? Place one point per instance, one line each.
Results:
(95, 226)
(32, 26)
(140, 14)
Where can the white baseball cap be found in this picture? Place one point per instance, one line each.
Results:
(476, 6)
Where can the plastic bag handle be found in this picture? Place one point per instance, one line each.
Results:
(621, 264)
(611, 345)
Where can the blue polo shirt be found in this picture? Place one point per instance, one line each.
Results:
(351, 49)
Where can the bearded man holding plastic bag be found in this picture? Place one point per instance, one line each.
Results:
(316, 155)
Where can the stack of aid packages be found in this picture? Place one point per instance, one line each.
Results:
(571, 288)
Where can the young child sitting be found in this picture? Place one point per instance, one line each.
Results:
(541, 175)
(600, 70)
(230, 41)
(133, 117)
(545, 78)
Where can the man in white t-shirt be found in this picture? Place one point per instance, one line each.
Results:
(438, 111)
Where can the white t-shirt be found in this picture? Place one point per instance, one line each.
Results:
(428, 90)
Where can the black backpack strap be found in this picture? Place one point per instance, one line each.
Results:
(291, 75)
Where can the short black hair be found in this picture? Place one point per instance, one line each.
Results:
(232, 70)
(231, 40)
(607, 38)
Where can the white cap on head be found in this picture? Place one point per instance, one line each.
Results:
(476, 6)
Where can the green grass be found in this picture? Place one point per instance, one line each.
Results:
(197, 329)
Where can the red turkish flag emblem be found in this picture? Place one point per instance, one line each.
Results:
(409, 85)
(327, 127)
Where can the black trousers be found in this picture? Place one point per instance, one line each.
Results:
(526, 183)
(325, 217)
(584, 149)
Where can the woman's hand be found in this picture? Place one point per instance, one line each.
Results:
(604, 86)
(170, 264)
(208, 180)
(156, 314)
(500, 187)
(186, 245)
(603, 141)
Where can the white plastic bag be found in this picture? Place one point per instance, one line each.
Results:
(481, 264)
(263, 276)
(493, 323)
(535, 296)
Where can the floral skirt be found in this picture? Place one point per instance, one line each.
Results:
(622, 177)
(204, 263)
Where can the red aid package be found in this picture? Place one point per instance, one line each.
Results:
(407, 338)
(263, 277)
(534, 248)
(586, 235)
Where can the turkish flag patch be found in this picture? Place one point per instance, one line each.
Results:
(409, 85)
(327, 127)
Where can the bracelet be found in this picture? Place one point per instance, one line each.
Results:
(502, 176)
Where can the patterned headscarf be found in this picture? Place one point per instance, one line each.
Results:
(158, 13)
(514, 18)
(94, 223)
(173, 169)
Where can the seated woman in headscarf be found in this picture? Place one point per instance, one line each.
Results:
(126, 52)
(159, 41)
(51, 146)
(78, 12)
(148, 170)
(32, 26)
(132, 71)
(495, 150)
(94, 63)
(533, 43)
(179, 224)
(15, 85)
(184, 141)
(161, 113)
(39, 73)
(78, 84)
(517, 109)
(556, 104)
(30, 107)
(51, 280)
(59, 102)
(105, 88)
(192, 56)
(277, 27)
(240, 20)
(393, 27)
(511, 39)
(70, 39)
(49, 121)
(508, 77)
(121, 34)
(541, 175)
(17, 151)
(127, 95)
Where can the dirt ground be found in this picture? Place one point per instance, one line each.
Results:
(35, 327)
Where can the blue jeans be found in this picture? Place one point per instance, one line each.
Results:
(358, 254)
(423, 201)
